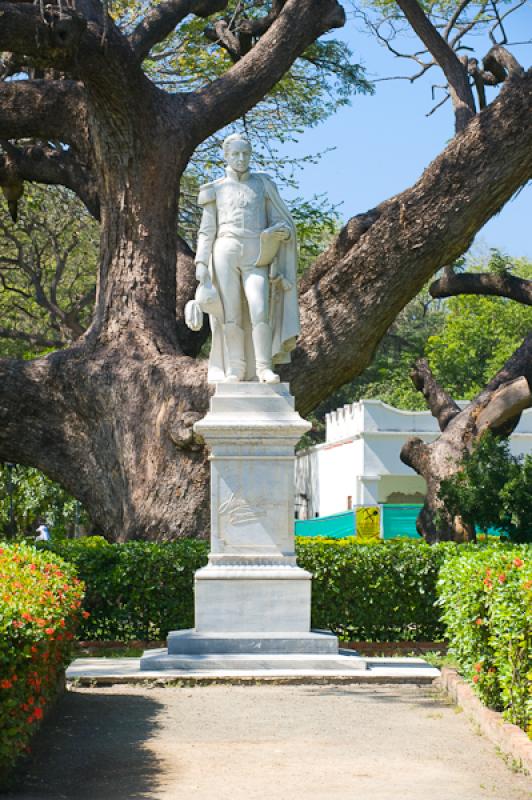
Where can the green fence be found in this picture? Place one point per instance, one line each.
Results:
(397, 520)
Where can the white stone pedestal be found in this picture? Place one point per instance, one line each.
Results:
(252, 601)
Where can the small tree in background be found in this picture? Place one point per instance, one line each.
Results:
(493, 489)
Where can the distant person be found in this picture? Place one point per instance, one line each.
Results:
(44, 534)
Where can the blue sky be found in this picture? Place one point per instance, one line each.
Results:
(384, 142)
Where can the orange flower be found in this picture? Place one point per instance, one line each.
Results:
(478, 621)
(6, 684)
(518, 563)
(27, 616)
(18, 624)
(49, 631)
(488, 583)
(85, 614)
(478, 666)
(476, 678)
(502, 577)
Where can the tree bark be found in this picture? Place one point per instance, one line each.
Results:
(497, 408)
(111, 417)
(383, 258)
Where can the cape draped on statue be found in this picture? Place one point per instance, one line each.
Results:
(284, 310)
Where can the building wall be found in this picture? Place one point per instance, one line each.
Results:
(359, 462)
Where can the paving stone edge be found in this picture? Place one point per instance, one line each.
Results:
(510, 739)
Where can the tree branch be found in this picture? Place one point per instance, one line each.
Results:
(455, 283)
(505, 405)
(350, 296)
(161, 20)
(31, 338)
(441, 404)
(42, 109)
(242, 86)
(456, 74)
(50, 166)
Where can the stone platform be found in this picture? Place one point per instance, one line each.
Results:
(107, 671)
(252, 601)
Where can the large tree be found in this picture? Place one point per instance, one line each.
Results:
(110, 417)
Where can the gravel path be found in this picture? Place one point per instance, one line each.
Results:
(264, 742)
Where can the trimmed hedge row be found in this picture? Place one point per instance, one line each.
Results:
(379, 592)
(486, 601)
(40, 600)
(138, 590)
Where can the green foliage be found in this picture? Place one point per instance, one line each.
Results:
(40, 600)
(142, 590)
(479, 334)
(486, 600)
(138, 590)
(493, 489)
(377, 592)
(36, 498)
(47, 270)
(316, 225)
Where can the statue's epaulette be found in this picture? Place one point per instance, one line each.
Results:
(207, 192)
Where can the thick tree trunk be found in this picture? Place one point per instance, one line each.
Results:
(497, 408)
(111, 418)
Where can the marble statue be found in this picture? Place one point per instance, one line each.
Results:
(246, 265)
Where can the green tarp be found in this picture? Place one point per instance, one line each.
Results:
(397, 520)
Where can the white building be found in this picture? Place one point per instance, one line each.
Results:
(359, 464)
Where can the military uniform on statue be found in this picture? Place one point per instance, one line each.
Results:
(251, 601)
(247, 269)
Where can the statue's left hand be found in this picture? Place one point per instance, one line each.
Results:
(281, 232)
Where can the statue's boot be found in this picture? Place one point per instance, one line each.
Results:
(262, 342)
(234, 342)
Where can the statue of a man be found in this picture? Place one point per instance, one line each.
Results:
(246, 265)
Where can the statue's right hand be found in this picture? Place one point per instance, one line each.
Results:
(202, 272)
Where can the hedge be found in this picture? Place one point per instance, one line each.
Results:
(138, 590)
(375, 592)
(40, 600)
(378, 592)
(486, 601)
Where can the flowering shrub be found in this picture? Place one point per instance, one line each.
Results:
(40, 604)
(486, 600)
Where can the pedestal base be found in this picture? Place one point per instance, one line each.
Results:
(252, 601)
(248, 598)
(192, 651)
(345, 661)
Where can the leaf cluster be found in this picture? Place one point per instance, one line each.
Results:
(492, 489)
(40, 600)
(35, 498)
(485, 594)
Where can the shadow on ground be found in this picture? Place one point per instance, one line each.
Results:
(93, 747)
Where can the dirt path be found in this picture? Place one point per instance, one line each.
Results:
(264, 743)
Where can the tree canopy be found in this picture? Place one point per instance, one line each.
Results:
(116, 109)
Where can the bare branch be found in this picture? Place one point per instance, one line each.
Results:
(235, 92)
(32, 338)
(164, 18)
(441, 404)
(501, 285)
(43, 109)
(505, 405)
(454, 71)
(48, 165)
(454, 18)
